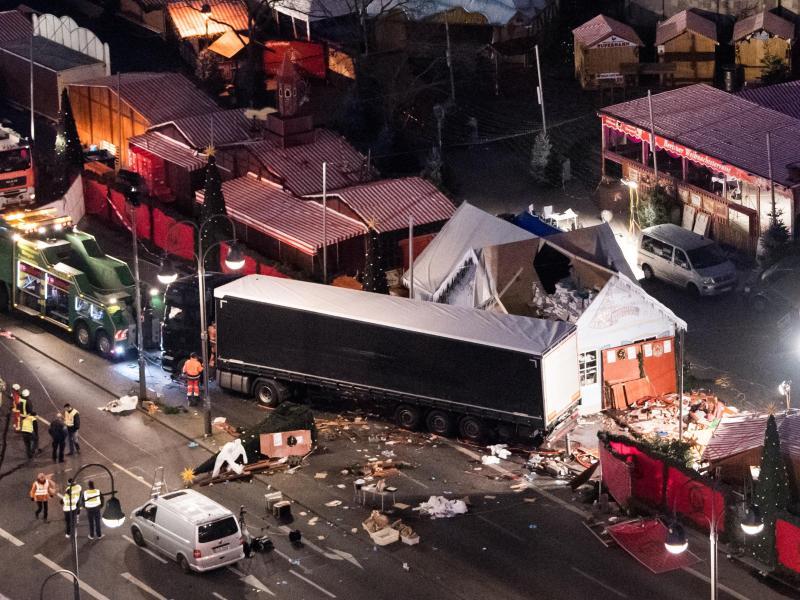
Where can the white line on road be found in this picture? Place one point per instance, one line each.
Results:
(236, 571)
(311, 583)
(142, 586)
(84, 586)
(218, 596)
(16, 541)
(138, 478)
(600, 583)
(410, 478)
(253, 582)
(721, 586)
(291, 560)
(150, 552)
(503, 529)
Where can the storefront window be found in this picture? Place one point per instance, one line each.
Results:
(587, 363)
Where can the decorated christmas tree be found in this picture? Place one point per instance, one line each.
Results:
(213, 205)
(68, 150)
(772, 493)
(540, 157)
(374, 271)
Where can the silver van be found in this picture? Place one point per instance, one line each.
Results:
(190, 528)
(685, 259)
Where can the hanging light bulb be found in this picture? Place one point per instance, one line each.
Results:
(676, 542)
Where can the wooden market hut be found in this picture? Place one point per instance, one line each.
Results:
(689, 41)
(761, 35)
(602, 46)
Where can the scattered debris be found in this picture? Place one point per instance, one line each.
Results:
(321, 475)
(490, 460)
(438, 507)
(500, 451)
(121, 404)
(333, 503)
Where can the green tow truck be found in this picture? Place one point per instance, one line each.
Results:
(50, 270)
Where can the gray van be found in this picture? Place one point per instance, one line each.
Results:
(190, 528)
(685, 259)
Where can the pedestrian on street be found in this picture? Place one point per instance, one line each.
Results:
(192, 369)
(93, 501)
(58, 433)
(42, 490)
(30, 434)
(73, 422)
(212, 359)
(70, 501)
(24, 406)
(15, 416)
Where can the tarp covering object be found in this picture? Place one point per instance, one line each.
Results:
(521, 334)
(617, 476)
(644, 540)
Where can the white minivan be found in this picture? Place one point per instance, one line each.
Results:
(190, 528)
(685, 259)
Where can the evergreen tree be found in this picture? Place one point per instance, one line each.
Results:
(774, 70)
(540, 157)
(775, 240)
(374, 270)
(213, 204)
(433, 168)
(68, 149)
(772, 493)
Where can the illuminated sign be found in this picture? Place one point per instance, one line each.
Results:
(678, 150)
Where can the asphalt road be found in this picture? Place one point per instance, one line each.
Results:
(511, 544)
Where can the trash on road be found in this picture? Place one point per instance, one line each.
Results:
(500, 451)
(333, 503)
(490, 460)
(121, 404)
(438, 507)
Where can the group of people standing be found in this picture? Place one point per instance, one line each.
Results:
(72, 500)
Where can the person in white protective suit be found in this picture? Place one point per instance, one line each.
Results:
(229, 454)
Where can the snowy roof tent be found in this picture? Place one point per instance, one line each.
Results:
(521, 334)
(469, 227)
(596, 244)
(496, 12)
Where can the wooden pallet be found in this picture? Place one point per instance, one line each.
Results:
(266, 467)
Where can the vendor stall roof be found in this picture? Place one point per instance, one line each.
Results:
(744, 432)
(767, 21)
(601, 28)
(596, 244)
(47, 53)
(721, 125)
(521, 334)
(686, 20)
(14, 25)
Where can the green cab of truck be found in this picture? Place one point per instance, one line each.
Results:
(52, 271)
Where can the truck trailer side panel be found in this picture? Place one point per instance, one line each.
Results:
(377, 356)
(561, 379)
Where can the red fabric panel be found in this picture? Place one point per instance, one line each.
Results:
(660, 370)
(787, 543)
(620, 370)
(616, 476)
(143, 222)
(695, 499)
(119, 212)
(161, 224)
(644, 540)
(94, 196)
(181, 241)
(648, 474)
(271, 271)
(307, 56)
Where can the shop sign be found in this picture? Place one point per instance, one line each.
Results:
(614, 42)
(678, 150)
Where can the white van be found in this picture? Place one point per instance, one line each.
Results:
(190, 528)
(685, 259)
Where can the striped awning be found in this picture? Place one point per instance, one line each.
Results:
(269, 209)
(168, 150)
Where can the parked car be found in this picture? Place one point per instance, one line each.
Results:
(685, 259)
(196, 532)
(776, 288)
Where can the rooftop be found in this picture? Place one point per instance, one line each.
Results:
(168, 149)
(783, 97)
(14, 25)
(229, 126)
(196, 507)
(722, 125)
(686, 20)
(158, 97)
(741, 433)
(225, 16)
(601, 28)
(767, 21)
(47, 53)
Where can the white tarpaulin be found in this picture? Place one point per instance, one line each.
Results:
(469, 227)
(522, 334)
(438, 507)
(496, 12)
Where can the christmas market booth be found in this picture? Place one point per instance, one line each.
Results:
(602, 46)
(759, 38)
(689, 41)
(713, 155)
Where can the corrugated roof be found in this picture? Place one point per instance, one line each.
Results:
(265, 207)
(496, 12)
(14, 25)
(225, 15)
(783, 97)
(721, 125)
(170, 150)
(316, 10)
(602, 27)
(683, 21)
(158, 97)
(769, 22)
(230, 126)
(229, 44)
(738, 434)
(389, 202)
(511, 332)
(299, 168)
(48, 53)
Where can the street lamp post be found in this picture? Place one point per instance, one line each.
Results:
(168, 274)
(676, 541)
(112, 517)
(64, 572)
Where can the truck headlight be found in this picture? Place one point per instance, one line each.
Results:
(708, 281)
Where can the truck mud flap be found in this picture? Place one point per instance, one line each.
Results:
(234, 381)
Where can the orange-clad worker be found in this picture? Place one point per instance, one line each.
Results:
(192, 369)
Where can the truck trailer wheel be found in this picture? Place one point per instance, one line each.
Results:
(104, 344)
(472, 429)
(269, 392)
(408, 417)
(83, 337)
(439, 422)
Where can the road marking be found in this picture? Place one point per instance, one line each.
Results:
(291, 560)
(236, 571)
(503, 529)
(16, 541)
(347, 556)
(138, 478)
(150, 552)
(311, 583)
(600, 583)
(533, 486)
(142, 586)
(219, 596)
(721, 586)
(253, 582)
(410, 478)
(84, 586)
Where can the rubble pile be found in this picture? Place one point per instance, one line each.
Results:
(567, 303)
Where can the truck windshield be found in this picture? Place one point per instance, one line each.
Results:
(17, 159)
(217, 530)
(706, 256)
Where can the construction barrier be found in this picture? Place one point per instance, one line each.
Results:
(617, 476)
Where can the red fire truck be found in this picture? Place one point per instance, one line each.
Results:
(16, 169)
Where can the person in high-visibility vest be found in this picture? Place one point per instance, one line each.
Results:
(15, 416)
(93, 500)
(70, 501)
(73, 422)
(192, 369)
(42, 490)
(30, 434)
